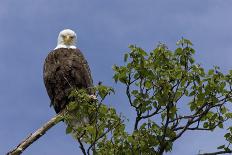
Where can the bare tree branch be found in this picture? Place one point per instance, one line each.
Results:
(37, 134)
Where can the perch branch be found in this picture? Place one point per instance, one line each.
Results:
(37, 134)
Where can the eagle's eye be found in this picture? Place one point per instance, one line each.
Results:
(71, 37)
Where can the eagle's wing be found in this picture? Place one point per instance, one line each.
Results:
(64, 70)
(85, 70)
(49, 70)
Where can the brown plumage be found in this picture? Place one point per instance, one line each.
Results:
(64, 70)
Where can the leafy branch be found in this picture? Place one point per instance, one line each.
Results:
(157, 87)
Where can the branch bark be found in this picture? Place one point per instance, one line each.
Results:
(37, 134)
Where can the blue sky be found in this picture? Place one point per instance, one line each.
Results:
(29, 29)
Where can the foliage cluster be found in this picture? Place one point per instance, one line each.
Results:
(170, 93)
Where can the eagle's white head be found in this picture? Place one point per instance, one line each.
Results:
(67, 39)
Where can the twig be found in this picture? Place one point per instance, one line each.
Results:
(102, 135)
(81, 146)
(37, 134)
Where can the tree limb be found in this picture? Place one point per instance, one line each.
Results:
(37, 134)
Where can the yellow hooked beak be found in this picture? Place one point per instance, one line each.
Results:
(67, 40)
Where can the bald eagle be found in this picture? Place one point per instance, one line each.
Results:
(65, 69)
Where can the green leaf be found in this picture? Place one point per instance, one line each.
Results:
(223, 110)
(68, 130)
(130, 138)
(221, 147)
(192, 106)
(90, 129)
(192, 93)
(148, 84)
(72, 105)
(125, 57)
(191, 60)
(104, 109)
(227, 149)
(227, 135)
(173, 109)
(206, 125)
(220, 125)
(211, 72)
